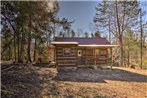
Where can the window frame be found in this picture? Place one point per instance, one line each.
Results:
(66, 51)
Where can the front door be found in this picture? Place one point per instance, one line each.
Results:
(79, 57)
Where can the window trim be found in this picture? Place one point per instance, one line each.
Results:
(66, 51)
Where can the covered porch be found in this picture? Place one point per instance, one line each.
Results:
(94, 55)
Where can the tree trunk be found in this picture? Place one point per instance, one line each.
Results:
(141, 35)
(109, 30)
(21, 47)
(54, 31)
(119, 37)
(29, 47)
(121, 52)
(10, 55)
(18, 47)
(128, 58)
(35, 44)
(128, 53)
(29, 42)
(14, 46)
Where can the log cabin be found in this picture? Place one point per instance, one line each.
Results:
(82, 52)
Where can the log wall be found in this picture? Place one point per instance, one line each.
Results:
(88, 58)
(66, 60)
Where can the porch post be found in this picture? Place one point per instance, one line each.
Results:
(86, 55)
(55, 56)
(94, 57)
(111, 57)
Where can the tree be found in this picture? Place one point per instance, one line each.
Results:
(27, 21)
(131, 47)
(92, 35)
(72, 33)
(115, 17)
(80, 32)
(61, 34)
(97, 34)
(86, 35)
(141, 38)
(8, 23)
(66, 26)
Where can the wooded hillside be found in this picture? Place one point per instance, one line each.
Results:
(29, 26)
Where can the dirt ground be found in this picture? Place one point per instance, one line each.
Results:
(42, 82)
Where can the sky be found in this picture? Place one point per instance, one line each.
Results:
(83, 12)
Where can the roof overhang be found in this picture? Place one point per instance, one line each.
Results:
(91, 45)
(54, 43)
(87, 45)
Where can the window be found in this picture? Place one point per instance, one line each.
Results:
(67, 51)
(79, 52)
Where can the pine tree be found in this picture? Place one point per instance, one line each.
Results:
(115, 17)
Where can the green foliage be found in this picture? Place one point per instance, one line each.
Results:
(132, 49)
(23, 22)
(128, 12)
(97, 34)
(117, 17)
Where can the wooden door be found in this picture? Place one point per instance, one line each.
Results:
(79, 54)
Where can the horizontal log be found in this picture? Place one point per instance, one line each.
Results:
(64, 62)
(102, 59)
(102, 63)
(70, 64)
(74, 50)
(59, 51)
(63, 52)
(63, 56)
(59, 55)
(67, 61)
(67, 57)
